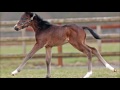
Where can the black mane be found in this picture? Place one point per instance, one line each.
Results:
(42, 24)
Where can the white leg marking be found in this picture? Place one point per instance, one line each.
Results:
(88, 74)
(109, 67)
(14, 72)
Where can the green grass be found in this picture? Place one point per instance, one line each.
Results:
(60, 72)
(36, 68)
(106, 47)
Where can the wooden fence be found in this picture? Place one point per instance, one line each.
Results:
(71, 20)
(59, 55)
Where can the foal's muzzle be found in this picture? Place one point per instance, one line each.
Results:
(16, 28)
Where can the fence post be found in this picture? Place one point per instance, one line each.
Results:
(23, 42)
(99, 41)
(60, 61)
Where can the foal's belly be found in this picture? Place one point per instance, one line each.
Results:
(57, 42)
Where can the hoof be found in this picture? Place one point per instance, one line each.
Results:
(14, 73)
(47, 77)
(115, 70)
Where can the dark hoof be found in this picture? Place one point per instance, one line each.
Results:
(115, 70)
(47, 76)
(13, 74)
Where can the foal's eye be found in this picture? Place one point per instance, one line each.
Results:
(24, 18)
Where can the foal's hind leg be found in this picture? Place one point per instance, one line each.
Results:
(96, 53)
(87, 51)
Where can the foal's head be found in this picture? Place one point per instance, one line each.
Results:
(28, 18)
(24, 21)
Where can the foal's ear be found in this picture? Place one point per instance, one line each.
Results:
(29, 13)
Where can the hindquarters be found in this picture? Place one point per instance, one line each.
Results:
(75, 33)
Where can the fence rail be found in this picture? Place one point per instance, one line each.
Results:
(56, 55)
(71, 20)
(31, 39)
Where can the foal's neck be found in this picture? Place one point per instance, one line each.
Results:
(34, 26)
(40, 26)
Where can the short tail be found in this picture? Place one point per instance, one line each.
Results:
(92, 32)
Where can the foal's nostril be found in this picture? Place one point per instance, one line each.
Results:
(16, 28)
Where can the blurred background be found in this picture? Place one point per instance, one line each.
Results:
(15, 16)
(7, 16)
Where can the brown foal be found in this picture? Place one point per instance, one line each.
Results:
(49, 35)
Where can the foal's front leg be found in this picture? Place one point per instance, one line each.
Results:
(33, 51)
(48, 61)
